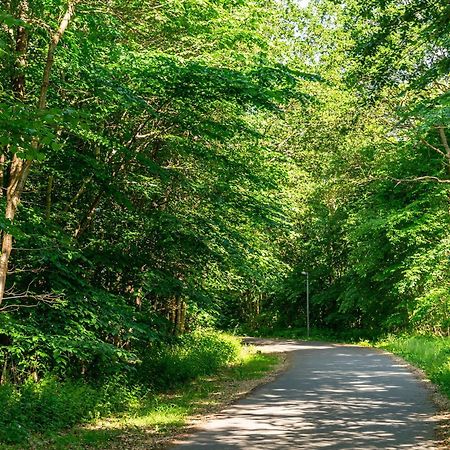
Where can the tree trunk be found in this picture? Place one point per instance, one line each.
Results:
(18, 80)
(51, 52)
(182, 325)
(2, 172)
(48, 197)
(17, 169)
(180, 316)
(172, 316)
(445, 144)
(20, 168)
(87, 219)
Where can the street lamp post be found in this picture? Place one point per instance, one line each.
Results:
(307, 302)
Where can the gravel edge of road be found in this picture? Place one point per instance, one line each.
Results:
(237, 391)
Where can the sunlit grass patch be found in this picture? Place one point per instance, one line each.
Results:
(166, 413)
(156, 415)
(430, 353)
(253, 365)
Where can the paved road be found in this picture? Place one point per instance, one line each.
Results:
(332, 397)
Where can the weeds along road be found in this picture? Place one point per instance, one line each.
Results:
(332, 397)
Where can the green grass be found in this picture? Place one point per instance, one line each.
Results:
(152, 415)
(53, 405)
(430, 353)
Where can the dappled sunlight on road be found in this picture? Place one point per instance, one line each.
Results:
(333, 397)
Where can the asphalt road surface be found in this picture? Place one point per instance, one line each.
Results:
(332, 397)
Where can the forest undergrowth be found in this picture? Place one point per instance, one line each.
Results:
(174, 382)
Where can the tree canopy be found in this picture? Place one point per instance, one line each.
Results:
(180, 163)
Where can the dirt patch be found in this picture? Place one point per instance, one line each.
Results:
(229, 392)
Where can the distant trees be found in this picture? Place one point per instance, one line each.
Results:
(373, 226)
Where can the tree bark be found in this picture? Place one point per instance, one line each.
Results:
(445, 144)
(179, 316)
(2, 173)
(87, 219)
(20, 168)
(51, 52)
(48, 197)
(18, 81)
(14, 183)
(182, 326)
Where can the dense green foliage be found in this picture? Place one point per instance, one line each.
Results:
(51, 405)
(151, 199)
(169, 165)
(372, 170)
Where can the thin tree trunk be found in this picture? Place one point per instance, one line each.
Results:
(20, 168)
(87, 219)
(79, 193)
(17, 164)
(48, 197)
(4, 374)
(51, 52)
(18, 81)
(173, 314)
(177, 325)
(182, 325)
(445, 144)
(2, 172)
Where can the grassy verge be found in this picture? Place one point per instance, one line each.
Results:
(147, 421)
(430, 353)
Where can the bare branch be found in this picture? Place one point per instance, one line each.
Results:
(10, 308)
(433, 147)
(47, 298)
(420, 179)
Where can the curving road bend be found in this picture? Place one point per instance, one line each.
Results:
(332, 397)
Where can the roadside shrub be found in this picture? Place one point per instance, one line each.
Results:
(53, 405)
(190, 356)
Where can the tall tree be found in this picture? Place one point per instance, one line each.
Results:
(17, 162)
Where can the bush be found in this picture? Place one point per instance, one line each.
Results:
(52, 405)
(192, 355)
